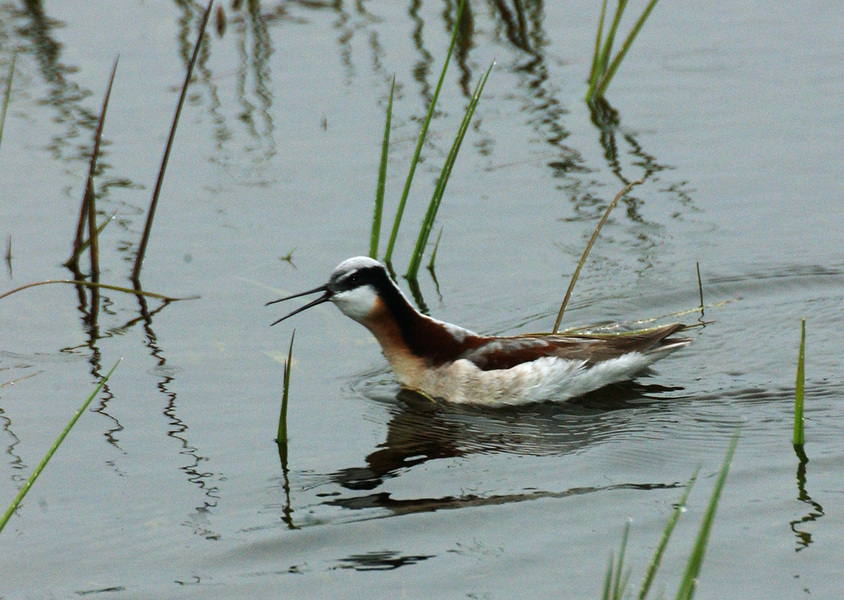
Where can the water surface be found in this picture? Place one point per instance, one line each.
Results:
(171, 485)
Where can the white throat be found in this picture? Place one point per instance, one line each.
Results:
(357, 303)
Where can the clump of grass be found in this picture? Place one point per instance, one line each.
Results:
(603, 69)
(28, 484)
(439, 190)
(615, 581)
(142, 247)
(586, 253)
(797, 436)
(422, 134)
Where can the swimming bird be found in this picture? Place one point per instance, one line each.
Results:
(444, 361)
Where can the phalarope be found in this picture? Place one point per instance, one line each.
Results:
(448, 362)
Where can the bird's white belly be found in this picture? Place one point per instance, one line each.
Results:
(547, 378)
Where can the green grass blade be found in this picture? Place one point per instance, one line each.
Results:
(26, 486)
(688, 584)
(608, 579)
(798, 437)
(422, 133)
(439, 191)
(142, 246)
(666, 535)
(603, 61)
(596, 56)
(610, 72)
(434, 251)
(620, 578)
(282, 417)
(382, 179)
(586, 253)
(8, 93)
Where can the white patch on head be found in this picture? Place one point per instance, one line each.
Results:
(356, 303)
(353, 264)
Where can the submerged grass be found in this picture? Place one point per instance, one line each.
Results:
(615, 580)
(797, 436)
(422, 134)
(142, 248)
(603, 69)
(28, 484)
(8, 93)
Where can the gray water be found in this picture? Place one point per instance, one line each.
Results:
(171, 484)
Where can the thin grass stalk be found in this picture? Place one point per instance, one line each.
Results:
(797, 437)
(439, 191)
(606, 50)
(382, 179)
(104, 286)
(620, 578)
(688, 583)
(8, 93)
(595, 72)
(434, 251)
(100, 228)
(88, 198)
(699, 287)
(142, 247)
(422, 133)
(282, 416)
(576, 274)
(29, 482)
(607, 77)
(656, 560)
(608, 579)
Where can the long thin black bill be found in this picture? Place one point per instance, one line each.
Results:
(321, 288)
(324, 298)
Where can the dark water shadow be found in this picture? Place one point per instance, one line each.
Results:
(420, 431)
(803, 537)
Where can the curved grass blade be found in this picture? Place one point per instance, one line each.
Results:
(104, 286)
(142, 247)
(797, 437)
(382, 178)
(16, 502)
(586, 252)
(439, 191)
(422, 133)
(8, 93)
